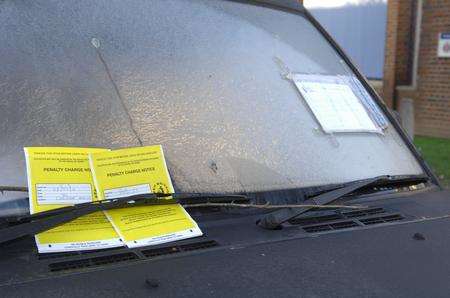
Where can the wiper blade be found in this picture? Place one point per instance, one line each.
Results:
(43, 221)
(275, 219)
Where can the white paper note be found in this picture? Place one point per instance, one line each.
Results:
(127, 191)
(63, 193)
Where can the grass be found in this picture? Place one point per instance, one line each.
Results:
(436, 152)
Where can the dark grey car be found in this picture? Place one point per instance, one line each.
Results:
(211, 81)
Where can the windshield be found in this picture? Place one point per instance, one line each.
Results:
(203, 78)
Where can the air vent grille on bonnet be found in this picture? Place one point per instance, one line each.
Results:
(128, 256)
(92, 262)
(345, 220)
(151, 253)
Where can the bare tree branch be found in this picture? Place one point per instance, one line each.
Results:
(13, 188)
(268, 206)
(232, 205)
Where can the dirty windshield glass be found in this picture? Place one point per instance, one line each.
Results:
(205, 79)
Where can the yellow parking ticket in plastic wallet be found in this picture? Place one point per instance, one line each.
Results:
(58, 177)
(141, 170)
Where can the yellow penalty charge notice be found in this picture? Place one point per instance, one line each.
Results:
(59, 177)
(140, 170)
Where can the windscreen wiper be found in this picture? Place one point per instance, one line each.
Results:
(275, 219)
(40, 222)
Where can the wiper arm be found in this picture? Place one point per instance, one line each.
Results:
(275, 219)
(43, 221)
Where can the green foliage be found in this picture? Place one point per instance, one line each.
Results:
(436, 152)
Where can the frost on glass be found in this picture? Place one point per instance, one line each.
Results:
(202, 78)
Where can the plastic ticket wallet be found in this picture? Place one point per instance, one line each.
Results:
(141, 170)
(336, 105)
(59, 177)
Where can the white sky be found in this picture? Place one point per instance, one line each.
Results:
(335, 3)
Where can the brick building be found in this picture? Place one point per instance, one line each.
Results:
(415, 79)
